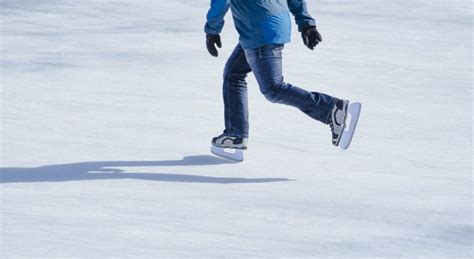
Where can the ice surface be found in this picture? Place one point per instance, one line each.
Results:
(108, 108)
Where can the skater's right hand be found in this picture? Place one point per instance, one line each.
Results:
(211, 41)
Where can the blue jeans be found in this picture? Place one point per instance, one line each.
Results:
(266, 64)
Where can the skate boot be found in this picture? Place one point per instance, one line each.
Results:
(337, 120)
(229, 147)
(343, 122)
(224, 141)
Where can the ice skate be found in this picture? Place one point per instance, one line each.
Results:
(342, 131)
(229, 147)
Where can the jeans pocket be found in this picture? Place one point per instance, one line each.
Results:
(265, 52)
(270, 51)
(277, 49)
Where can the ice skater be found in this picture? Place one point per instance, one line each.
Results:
(264, 27)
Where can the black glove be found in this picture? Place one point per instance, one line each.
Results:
(212, 39)
(311, 36)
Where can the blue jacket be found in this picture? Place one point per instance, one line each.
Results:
(259, 22)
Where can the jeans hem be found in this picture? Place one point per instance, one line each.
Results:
(333, 102)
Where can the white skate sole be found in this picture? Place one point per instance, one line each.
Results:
(353, 110)
(228, 153)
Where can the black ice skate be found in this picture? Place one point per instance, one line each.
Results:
(342, 132)
(229, 147)
(224, 141)
(337, 121)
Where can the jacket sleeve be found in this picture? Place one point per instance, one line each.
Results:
(300, 10)
(215, 16)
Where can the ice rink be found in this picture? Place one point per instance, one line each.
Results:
(108, 108)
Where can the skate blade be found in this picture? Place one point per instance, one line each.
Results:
(353, 110)
(228, 153)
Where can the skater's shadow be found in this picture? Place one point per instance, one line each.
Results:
(108, 170)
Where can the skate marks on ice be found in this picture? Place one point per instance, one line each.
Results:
(103, 170)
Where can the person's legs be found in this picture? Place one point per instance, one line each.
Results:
(266, 64)
(235, 94)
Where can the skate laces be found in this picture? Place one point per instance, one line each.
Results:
(331, 124)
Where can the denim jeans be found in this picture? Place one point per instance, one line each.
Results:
(266, 64)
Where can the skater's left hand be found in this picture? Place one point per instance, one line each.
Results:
(311, 37)
(211, 41)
